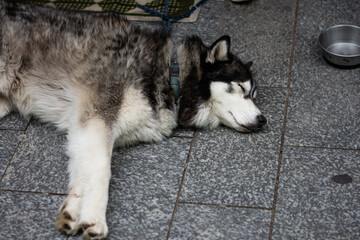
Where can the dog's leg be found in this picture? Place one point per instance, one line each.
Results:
(90, 147)
(5, 106)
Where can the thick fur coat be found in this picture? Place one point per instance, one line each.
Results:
(106, 83)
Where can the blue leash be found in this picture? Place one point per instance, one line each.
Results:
(165, 17)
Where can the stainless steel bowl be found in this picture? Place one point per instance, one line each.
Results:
(341, 45)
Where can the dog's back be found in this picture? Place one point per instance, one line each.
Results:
(61, 62)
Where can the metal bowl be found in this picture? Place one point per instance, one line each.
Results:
(341, 45)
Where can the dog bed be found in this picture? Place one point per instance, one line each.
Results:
(125, 7)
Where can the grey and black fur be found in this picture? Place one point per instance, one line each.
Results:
(98, 45)
(106, 83)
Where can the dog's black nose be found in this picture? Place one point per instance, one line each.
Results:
(261, 120)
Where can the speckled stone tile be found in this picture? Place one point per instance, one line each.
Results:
(261, 32)
(214, 222)
(144, 186)
(227, 167)
(8, 143)
(324, 101)
(13, 121)
(150, 168)
(29, 216)
(310, 205)
(329, 120)
(129, 219)
(40, 162)
(206, 25)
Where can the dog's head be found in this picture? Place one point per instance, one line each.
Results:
(216, 87)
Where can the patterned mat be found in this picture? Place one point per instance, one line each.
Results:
(125, 7)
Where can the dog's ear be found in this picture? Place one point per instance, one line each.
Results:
(249, 64)
(219, 50)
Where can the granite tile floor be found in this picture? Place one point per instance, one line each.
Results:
(299, 178)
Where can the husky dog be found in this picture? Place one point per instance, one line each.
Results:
(106, 83)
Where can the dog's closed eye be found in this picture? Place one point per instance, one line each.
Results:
(242, 88)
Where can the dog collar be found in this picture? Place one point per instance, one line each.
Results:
(174, 79)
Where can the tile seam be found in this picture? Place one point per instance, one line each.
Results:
(14, 130)
(181, 136)
(321, 147)
(276, 188)
(180, 187)
(28, 124)
(32, 192)
(272, 87)
(224, 205)
(11, 159)
(18, 130)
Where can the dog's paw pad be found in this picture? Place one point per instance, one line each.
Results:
(66, 223)
(88, 235)
(94, 231)
(86, 226)
(67, 216)
(93, 234)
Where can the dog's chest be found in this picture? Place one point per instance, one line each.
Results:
(134, 110)
(137, 121)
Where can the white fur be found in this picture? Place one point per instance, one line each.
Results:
(218, 52)
(230, 109)
(206, 117)
(247, 86)
(89, 148)
(5, 107)
(138, 123)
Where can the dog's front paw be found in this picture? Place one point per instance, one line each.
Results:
(98, 230)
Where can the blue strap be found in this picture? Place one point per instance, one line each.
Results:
(167, 22)
(165, 17)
